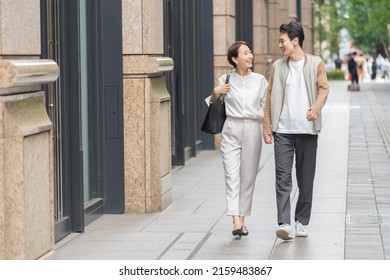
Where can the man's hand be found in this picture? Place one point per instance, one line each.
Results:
(312, 114)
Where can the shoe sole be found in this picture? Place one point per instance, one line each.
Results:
(301, 234)
(282, 234)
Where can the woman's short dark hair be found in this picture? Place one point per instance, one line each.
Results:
(293, 29)
(233, 51)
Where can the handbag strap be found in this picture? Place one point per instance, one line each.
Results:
(227, 78)
(222, 96)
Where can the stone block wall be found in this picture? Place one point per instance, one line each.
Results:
(26, 177)
(147, 114)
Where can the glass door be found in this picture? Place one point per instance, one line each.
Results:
(72, 108)
(92, 181)
(51, 48)
(85, 105)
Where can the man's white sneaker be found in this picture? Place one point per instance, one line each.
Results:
(300, 230)
(283, 232)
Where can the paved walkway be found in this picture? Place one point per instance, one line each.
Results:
(351, 209)
(368, 186)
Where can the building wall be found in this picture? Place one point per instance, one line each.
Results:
(308, 25)
(146, 109)
(262, 59)
(14, 40)
(26, 149)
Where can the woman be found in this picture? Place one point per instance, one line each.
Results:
(241, 135)
(361, 66)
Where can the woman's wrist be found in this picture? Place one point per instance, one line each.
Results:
(214, 96)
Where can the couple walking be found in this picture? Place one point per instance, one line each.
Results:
(294, 96)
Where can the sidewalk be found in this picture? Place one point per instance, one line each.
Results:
(351, 205)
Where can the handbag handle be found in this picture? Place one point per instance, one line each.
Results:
(227, 78)
(221, 96)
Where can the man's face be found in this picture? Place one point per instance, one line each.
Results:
(286, 45)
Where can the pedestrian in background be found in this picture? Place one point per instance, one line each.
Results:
(241, 135)
(374, 69)
(385, 70)
(338, 62)
(361, 67)
(352, 68)
(298, 89)
(379, 61)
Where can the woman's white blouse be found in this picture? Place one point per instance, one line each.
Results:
(246, 96)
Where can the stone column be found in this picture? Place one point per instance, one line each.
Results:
(26, 160)
(291, 10)
(224, 34)
(308, 25)
(275, 19)
(262, 61)
(20, 31)
(224, 24)
(147, 114)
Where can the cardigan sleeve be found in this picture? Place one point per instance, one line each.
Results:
(267, 129)
(322, 85)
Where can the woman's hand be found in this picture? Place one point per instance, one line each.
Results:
(222, 89)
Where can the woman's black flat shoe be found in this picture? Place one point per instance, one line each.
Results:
(238, 232)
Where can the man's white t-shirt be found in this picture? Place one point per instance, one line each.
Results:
(296, 103)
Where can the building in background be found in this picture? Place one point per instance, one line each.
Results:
(129, 101)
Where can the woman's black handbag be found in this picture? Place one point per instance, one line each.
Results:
(216, 115)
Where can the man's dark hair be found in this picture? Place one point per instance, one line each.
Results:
(293, 29)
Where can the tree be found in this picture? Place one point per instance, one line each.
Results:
(379, 22)
(367, 21)
(329, 22)
(367, 28)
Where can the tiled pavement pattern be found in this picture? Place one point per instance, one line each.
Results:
(368, 190)
(351, 209)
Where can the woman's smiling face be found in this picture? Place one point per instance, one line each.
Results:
(244, 58)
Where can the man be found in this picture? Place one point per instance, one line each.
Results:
(298, 89)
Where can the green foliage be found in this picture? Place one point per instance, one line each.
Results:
(367, 22)
(358, 25)
(336, 75)
(329, 15)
